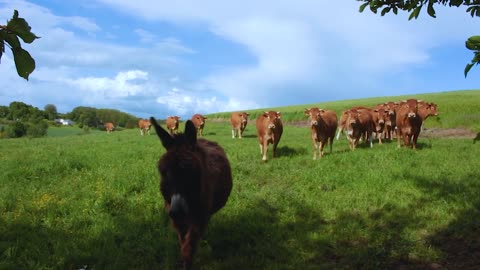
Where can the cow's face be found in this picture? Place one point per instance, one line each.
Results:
(273, 118)
(432, 107)
(313, 115)
(244, 117)
(381, 116)
(199, 119)
(411, 107)
(352, 120)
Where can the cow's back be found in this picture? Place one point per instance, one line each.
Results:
(330, 122)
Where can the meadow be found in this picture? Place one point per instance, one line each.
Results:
(92, 201)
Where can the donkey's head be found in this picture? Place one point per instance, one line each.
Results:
(181, 169)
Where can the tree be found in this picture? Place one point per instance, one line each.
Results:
(415, 6)
(51, 111)
(9, 34)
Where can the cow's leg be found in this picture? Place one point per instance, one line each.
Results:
(398, 137)
(239, 131)
(320, 147)
(265, 150)
(331, 144)
(314, 149)
(370, 138)
(275, 148)
(233, 133)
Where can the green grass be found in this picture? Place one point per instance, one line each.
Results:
(456, 108)
(69, 201)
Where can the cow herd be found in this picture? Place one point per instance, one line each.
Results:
(384, 121)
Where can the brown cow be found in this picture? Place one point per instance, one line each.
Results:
(239, 121)
(323, 124)
(269, 130)
(109, 127)
(172, 124)
(196, 181)
(409, 122)
(380, 117)
(199, 123)
(359, 123)
(391, 123)
(343, 119)
(144, 126)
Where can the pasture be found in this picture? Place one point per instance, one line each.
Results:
(93, 201)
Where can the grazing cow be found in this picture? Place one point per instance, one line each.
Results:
(359, 123)
(343, 119)
(239, 121)
(379, 117)
(196, 181)
(199, 123)
(323, 124)
(144, 126)
(269, 130)
(109, 127)
(409, 122)
(172, 124)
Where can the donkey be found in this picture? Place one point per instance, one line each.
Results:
(196, 181)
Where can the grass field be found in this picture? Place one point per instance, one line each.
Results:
(70, 201)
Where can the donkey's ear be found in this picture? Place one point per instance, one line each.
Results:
(167, 140)
(190, 132)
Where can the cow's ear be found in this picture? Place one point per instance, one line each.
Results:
(307, 111)
(247, 114)
(279, 115)
(190, 132)
(165, 138)
(375, 110)
(321, 110)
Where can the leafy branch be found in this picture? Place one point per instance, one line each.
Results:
(18, 28)
(415, 6)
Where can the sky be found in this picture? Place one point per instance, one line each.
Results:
(162, 58)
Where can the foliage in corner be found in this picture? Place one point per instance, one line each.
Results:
(415, 6)
(18, 28)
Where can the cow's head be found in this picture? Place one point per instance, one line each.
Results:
(381, 116)
(313, 115)
(244, 117)
(411, 107)
(273, 118)
(432, 107)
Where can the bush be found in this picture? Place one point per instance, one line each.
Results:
(37, 129)
(15, 130)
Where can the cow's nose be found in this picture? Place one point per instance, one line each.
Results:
(314, 123)
(381, 121)
(411, 115)
(271, 126)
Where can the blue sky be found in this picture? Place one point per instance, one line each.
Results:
(161, 58)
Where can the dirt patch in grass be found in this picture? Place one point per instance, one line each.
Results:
(460, 133)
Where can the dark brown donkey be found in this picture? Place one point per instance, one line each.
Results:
(196, 181)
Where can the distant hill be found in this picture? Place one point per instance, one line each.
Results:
(456, 108)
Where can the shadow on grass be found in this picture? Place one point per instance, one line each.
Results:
(262, 233)
(287, 151)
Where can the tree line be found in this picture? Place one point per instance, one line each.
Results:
(20, 119)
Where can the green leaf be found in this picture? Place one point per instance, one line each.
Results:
(456, 3)
(385, 11)
(362, 7)
(373, 7)
(12, 39)
(2, 48)
(20, 27)
(473, 43)
(467, 69)
(395, 10)
(414, 13)
(430, 10)
(23, 62)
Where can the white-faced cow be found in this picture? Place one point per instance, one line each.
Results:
(144, 126)
(172, 124)
(269, 131)
(409, 122)
(199, 123)
(359, 123)
(323, 124)
(239, 121)
(109, 127)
